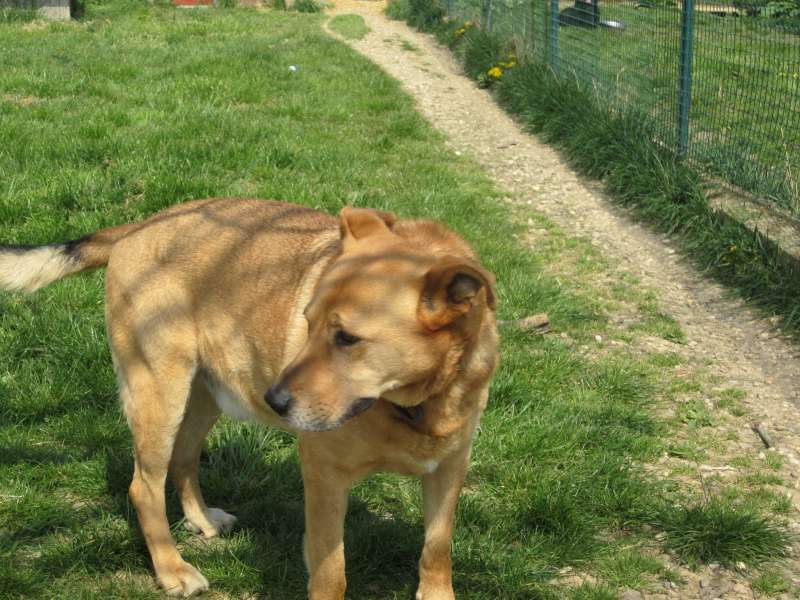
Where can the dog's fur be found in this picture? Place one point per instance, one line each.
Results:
(373, 339)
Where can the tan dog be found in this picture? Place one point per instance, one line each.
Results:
(375, 340)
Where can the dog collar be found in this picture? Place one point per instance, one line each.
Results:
(411, 415)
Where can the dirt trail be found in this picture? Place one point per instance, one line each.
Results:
(742, 348)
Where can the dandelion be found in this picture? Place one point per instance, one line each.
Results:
(495, 72)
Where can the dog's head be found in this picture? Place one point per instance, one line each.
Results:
(383, 321)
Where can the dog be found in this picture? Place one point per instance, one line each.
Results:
(373, 339)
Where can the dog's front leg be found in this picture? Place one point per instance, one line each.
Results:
(326, 491)
(440, 491)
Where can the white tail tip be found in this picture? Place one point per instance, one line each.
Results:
(28, 269)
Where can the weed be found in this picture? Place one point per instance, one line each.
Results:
(721, 533)
(771, 582)
(425, 15)
(307, 6)
(400, 10)
(480, 52)
(730, 399)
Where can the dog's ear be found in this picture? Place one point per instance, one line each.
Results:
(358, 223)
(451, 289)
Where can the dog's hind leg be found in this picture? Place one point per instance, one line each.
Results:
(201, 414)
(155, 400)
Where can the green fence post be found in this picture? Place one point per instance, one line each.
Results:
(552, 54)
(489, 15)
(544, 47)
(685, 76)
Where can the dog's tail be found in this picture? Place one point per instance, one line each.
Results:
(28, 268)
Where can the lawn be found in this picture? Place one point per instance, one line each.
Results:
(137, 107)
(745, 111)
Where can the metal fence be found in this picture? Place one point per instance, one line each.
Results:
(719, 80)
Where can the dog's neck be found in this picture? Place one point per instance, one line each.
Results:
(450, 398)
(413, 416)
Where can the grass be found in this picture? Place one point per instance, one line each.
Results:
(352, 27)
(719, 533)
(616, 146)
(745, 116)
(17, 15)
(202, 103)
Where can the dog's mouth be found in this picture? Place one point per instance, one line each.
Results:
(359, 406)
(413, 416)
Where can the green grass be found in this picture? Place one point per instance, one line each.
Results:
(717, 532)
(308, 6)
(350, 26)
(616, 146)
(745, 115)
(202, 103)
(17, 15)
(771, 583)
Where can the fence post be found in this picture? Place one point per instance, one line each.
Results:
(552, 54)
(685, 75)
(489, 15)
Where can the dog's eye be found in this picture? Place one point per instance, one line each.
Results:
(342, 338)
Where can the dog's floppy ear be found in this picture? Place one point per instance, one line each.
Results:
(358, 223)
(450, 290)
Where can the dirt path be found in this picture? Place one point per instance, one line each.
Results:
(743, 349)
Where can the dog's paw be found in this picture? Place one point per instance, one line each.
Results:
(434, 593)
(217, 522)
(182, 581)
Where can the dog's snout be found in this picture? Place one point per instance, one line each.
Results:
(279, 398)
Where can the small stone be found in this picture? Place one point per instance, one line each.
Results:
(704, 583)
(598, 339)
(741, 566)
(631, 595)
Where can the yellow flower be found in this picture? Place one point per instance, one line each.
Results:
(495, 72)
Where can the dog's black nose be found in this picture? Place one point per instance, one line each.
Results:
(279, 398)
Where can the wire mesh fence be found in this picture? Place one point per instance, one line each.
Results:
(720, 81)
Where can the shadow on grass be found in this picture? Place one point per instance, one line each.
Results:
(265, 493)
